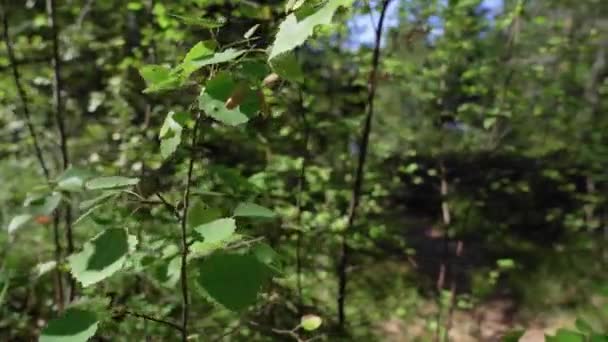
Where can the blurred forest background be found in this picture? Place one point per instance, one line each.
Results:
(480, 212)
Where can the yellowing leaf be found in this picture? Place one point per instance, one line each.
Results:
(311, 322)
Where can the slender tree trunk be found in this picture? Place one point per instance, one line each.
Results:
(58, 282)
(184, 237)
(359, 173)
(60, 121)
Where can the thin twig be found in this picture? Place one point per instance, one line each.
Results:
(300, 204)
(152, 319)
(228, 333)
(356, 191)
(245, 243)
(169, 206)
(83, 13)
(291, 333)
(58, 253)
(184, 238)
(57, 83)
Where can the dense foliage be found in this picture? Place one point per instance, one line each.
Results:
(335, 170)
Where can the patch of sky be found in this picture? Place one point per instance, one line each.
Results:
(362, 26)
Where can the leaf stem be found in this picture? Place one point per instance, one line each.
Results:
(152, 319)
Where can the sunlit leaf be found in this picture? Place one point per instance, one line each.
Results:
(311, 322)
(251, 31)
(18, 222)
(72, 180)
(170, 135)
(217, 231)
(194, 64)
(293, 33)
(42, 204)
(45, 267)
(159, 78)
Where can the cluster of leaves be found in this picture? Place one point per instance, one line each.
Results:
(231, 268)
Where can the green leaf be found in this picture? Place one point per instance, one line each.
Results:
(73, 326)
(192, 65)
(233, 280)
(251, 31)
(254, 71)
(505, 264)
(85, 205)
(42, 204)
(18, 222)
(45, 267)
(287, 67)
(101, 257)
(72, 180)
(199, 214)
(222, 57)
(583, 326)
(293, 5)
(159, 78)
(310, 322)
(598, 338)
(293, 33)
(134, 6)
(268, 257)
(170, 135)
(198, 51)
(155, 74)
(212, 101)
(201, 50)
(564, 335)
(513, 336)
(111, 182)
(252, 210)
(217, 231)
